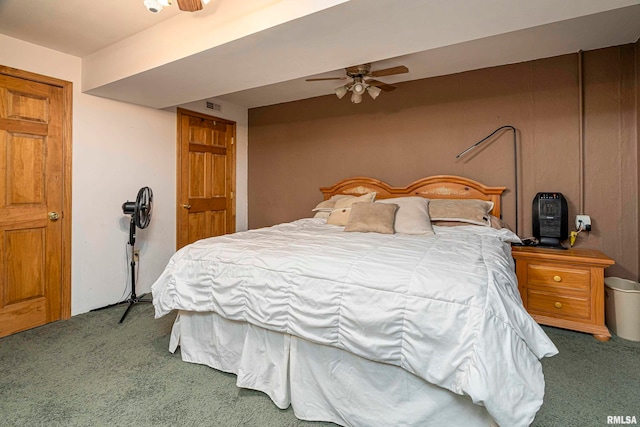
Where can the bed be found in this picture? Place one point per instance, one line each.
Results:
(366, 328)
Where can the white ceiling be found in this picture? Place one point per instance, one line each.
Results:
(77, 27)
(267, 60)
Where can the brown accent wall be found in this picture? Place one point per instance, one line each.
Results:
(417, 130)
(637, 44)
(611, 156)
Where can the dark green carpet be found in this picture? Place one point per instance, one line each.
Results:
(589, 380)
(92, 371)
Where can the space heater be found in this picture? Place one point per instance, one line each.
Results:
(550, 219)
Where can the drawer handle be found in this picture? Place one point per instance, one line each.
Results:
(557, 279)
(558, 304)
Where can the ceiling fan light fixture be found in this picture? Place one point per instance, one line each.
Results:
(374, 91)
(356, 98)
(341, 91)
(359, 88)
(153, 6)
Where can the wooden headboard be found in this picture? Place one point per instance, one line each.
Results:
(433, 187)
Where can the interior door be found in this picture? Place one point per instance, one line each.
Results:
(206, 177)
(32, 259)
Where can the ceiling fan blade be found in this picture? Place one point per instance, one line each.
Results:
(381, 85)
(325, 78)
(190, 5)
(401, 69)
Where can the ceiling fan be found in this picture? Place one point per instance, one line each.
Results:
(361, 83)
(155, 6)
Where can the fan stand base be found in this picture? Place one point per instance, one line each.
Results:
(132, 301)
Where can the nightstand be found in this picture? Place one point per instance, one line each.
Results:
(564, 288)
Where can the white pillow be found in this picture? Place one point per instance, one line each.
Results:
(412, 216)
(321, 214)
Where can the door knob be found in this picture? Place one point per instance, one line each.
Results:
(187, 206)
(54, 216)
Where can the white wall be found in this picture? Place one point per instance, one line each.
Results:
(117, 148)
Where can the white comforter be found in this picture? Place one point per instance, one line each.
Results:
(444, 307)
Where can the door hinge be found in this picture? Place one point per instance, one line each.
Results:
(232, 195)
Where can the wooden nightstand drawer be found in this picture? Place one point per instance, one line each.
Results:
(563, 306)
(578, 279)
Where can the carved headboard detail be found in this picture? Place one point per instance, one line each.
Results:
(433, 187)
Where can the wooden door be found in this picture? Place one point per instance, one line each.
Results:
(206, 177)
(34, 286)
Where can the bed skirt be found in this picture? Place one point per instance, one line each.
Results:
(321, 383)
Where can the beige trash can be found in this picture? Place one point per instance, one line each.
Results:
(622, 307)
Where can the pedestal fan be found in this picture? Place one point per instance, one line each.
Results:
(140, 212)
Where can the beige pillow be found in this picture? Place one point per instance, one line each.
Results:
(450, 223)
(470, 211)
(328, 205)
(412, 216)
(340, 213)
(498, 223)
(372, 217)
